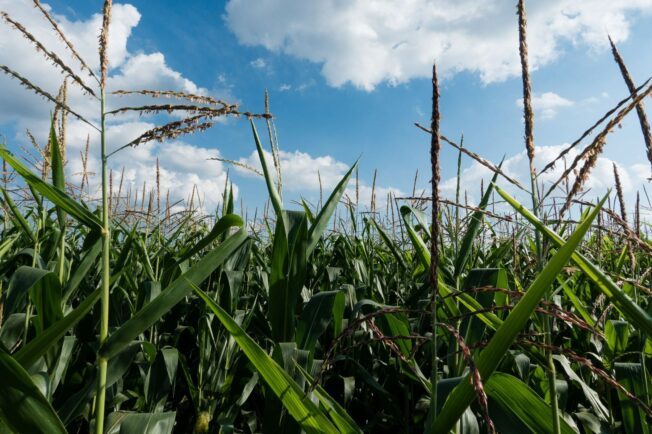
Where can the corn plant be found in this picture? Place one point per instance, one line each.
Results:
(327, 318)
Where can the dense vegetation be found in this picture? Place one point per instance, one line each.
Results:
(331, 318)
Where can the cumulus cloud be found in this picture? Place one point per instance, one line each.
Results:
(547, 104)
(300, 170)
(366, 43)
(128, 70)
(302, 173)
(183, 167)
(633, 177)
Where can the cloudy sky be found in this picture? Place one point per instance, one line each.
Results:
(347, 80)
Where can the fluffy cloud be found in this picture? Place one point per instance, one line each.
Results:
(300, 170)
(547, 104)
(301, 173)
(129, 71)
(368, 42)
(633, 178)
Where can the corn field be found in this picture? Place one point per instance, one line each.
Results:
(128, 314)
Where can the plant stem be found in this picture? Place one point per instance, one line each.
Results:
(552, 377)
(62, 255)
(106, 274)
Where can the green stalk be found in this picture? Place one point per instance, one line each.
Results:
(102, 362)
(457, 197)
(552, 376)
(62, 252)
(546, 320)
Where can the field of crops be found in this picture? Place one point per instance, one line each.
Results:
(121, 314)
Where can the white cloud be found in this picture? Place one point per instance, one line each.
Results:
(366, 43)
(299, 87)
(516, 166)
(301, 174)
(547, 104)
(299, 170)
(258, 63)
(128, 70)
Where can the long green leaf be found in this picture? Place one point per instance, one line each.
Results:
(390, 244)
(56, 196)
(521, 405)
(177, 291)
(23, 408)
(22, 222)
(327, 210)
(314, 319)
(462, 396)
(474, 228)
(85, 265)
(617, 296)
(423, 254)
(274, 196)
(221, 226)
(37, 347)
(300, 406)
(340, 417)
(287, 274)
(124, 422)
(630, 376)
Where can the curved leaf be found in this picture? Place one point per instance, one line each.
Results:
(177, 291)
(300, 406)
(56, 196)
(23, 408)
(490, 357)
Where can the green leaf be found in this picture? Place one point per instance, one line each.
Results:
(342, 420)
(591, 395)
(23, 408)
(118, 365)
(56, 196)
(316, 316)
(123, 422)
(177, 291)
(37, 347)
(220, 227)
(423, 254)
(42, 287)
(421, 250)
(274, 196)
(617, 334)
(490, 357)
(84, 266)
(631, 310)
(630, 375)
(474, 228)
(18, 216)
(390, 244)
(327, 210)
(287, 274)
(161, 377)
(514, 404)
(300, 406)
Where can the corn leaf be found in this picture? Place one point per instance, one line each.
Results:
(177, 291)
(617, 296)
(303, 410)
(462, 396)
(56, 196)
(23, 409)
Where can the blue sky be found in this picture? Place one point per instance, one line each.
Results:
(340, 88)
